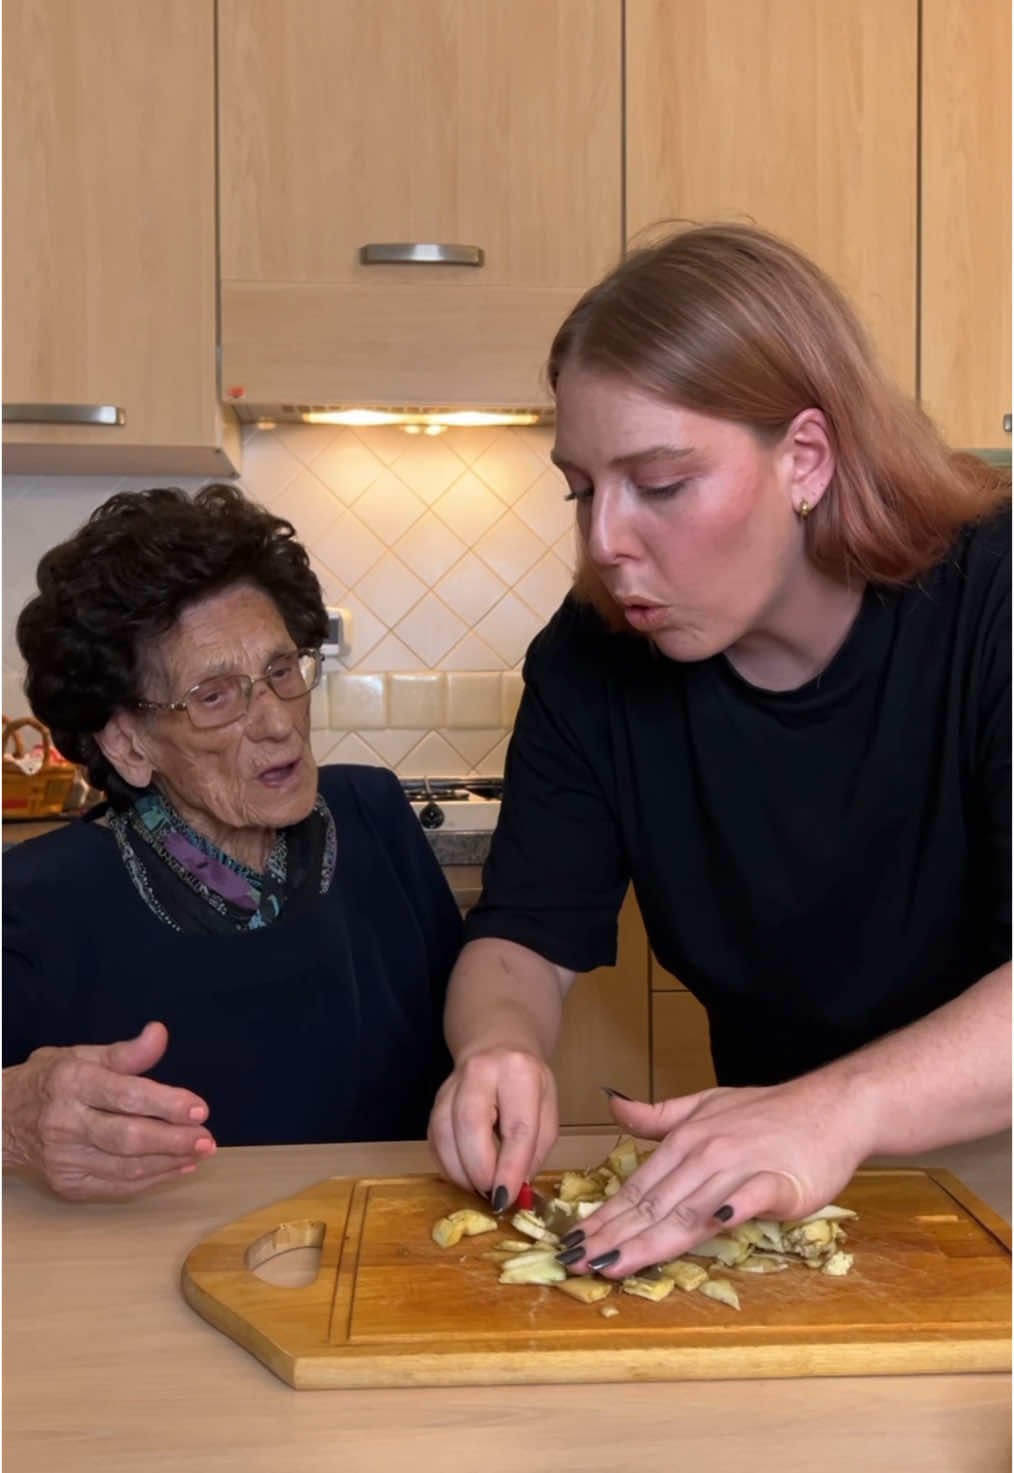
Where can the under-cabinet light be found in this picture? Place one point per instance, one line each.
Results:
(435, 419)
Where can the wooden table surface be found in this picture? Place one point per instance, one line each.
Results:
(106, 1368)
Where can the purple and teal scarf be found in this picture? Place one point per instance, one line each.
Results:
(193, 886)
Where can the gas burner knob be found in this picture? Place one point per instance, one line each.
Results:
(432, 816)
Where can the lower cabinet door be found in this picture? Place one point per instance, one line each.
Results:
(681, 1050)
(605, 1036)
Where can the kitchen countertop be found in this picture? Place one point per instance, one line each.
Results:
(461, 852)
(107, 1370)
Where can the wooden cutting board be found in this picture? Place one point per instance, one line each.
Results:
(930, 1291)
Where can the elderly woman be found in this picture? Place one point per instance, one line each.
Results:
(236, 949)
(778, 702)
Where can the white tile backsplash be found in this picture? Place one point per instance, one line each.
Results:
(449, 552)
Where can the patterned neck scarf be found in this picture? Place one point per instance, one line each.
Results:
(193, 886)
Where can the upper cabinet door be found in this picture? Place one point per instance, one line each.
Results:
(966, 220)
(351, 123)
(799, 116)
(109, 236)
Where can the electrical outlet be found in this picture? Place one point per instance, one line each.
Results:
(339, 637)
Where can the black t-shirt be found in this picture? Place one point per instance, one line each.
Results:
(323, 1026)
(819, 866)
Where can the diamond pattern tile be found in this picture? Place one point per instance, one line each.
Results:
(509, 629)
(432, 757)
(472, 745)
(268, 466)
(389, 507)
(345, 465)
(393, 745)
(354, 748)
(469, 508)
(545, 586)
(566, 548)
(390, 589)
(472, 442)
(543, 509)
(430, 629)
(306, 442)
(308, 504)
(493, 763)
(349, 548)
(429, 548)
(366, 629)
(509, 467)
(471, 588)
(390, 654)
(509, 548)
(429, 466)
(471, 653)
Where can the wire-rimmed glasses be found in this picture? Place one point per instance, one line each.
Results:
(224, 698)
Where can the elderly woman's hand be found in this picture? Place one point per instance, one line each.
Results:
(725, 1155)
(493, 1121)
(86, 1119)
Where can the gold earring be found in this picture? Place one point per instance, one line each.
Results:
(803, 510)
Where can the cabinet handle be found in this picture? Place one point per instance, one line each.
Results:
(64, 414)
(1006, 424)
(420, 253)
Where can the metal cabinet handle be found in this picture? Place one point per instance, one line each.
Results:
(64, 414)
(420, 253)
(1006, 424)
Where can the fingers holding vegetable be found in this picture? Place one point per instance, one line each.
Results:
(493, 1122)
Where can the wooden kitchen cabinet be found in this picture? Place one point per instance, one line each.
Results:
(606, 1029)
(345, 123)
(109, 235)
(632, 1026)
(799, 116)
(966, 220)
(680, 1039)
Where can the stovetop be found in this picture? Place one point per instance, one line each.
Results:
(455, 803)
(451, 789)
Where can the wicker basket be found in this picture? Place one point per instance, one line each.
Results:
(39, 794)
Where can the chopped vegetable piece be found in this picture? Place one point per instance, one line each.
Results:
(585, 1288)
(659, 1288)
(536, 1267)
(685, 1275)
(721, 1290)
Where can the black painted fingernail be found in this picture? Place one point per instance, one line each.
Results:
(500, 1199)
(615, 1094)
(570, 1255)
(603, 1260)
(571, 1239)
(724, 1213)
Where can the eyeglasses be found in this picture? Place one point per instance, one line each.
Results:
(224, 698)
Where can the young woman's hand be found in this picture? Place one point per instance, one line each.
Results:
(725, 1155)
(494, 1121)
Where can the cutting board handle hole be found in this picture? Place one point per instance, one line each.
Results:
(289, 1255)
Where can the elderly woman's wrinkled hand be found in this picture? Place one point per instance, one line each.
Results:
(86, 1119)
(726, 1155)
(494, 1120)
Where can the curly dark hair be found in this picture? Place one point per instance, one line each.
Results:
(123, 580)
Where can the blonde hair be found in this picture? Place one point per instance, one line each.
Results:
(733, 322)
